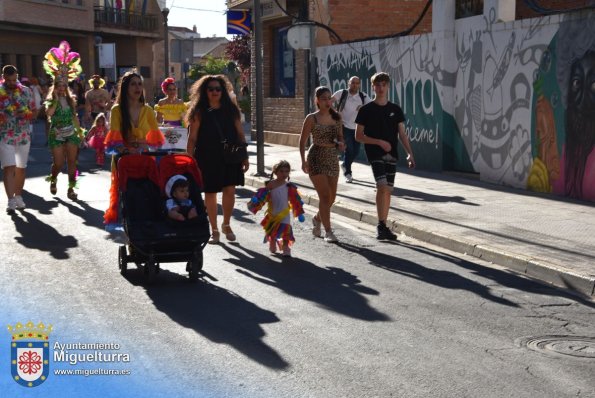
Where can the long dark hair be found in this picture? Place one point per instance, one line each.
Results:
(318, 93)
(122, 100)
(199, 99)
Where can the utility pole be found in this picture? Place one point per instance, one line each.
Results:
(258, 89)
(165, 13)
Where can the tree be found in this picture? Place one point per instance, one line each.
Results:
(212, 66)
(238, 50)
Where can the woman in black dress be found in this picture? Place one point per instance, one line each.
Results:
(213, 118)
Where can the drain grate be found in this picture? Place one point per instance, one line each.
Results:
(575, 346)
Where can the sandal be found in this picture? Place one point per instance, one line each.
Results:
(53, 181)
(214, 237)
(72, 195)
(229, 235)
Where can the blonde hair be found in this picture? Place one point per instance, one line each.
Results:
(99, 116)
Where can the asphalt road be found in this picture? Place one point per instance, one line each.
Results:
(355, 319)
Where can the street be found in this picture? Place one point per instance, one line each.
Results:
(360, 318)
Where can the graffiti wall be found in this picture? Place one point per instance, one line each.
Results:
(514, 102)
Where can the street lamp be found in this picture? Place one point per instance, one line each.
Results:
(165, 12)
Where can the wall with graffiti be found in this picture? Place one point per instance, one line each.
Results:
(514, 102)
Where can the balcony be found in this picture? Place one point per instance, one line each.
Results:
(468, 8)
(123, 19)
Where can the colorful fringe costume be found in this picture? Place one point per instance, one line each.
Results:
(141, 138)
(277, 224)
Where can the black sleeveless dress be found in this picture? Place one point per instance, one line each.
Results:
(208, 152)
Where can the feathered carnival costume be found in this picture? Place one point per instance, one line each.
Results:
(274, 228)
(64, 66)
(61, 63)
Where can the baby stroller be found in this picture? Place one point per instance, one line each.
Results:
(153, 238)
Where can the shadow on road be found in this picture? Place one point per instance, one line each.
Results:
(441, 278)
(504, 278)
(217, 314)
(331, 287)
(40, 236)
(90, 215)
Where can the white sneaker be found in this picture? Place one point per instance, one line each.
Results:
(20, 204)
(330, 237)
(12, 205)
(348, 178)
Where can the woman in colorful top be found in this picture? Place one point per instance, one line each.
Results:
(65, 135)
(133, 129)
(170, 110)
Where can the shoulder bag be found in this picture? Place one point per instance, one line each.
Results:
(233, 153)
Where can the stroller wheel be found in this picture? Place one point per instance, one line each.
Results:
(122, 260)
(150, 269)
(195, 266)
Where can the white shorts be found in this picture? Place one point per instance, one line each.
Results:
(14, 155)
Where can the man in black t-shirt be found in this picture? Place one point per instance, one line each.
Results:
(379, 126)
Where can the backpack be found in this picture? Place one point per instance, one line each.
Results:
(343, 99)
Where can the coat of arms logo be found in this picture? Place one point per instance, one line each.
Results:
(30, 353)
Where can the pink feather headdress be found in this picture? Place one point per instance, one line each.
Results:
(62, 64)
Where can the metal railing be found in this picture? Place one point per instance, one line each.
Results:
(123, 19)
(468, 8)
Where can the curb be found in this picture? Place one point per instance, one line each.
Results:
(531, 267)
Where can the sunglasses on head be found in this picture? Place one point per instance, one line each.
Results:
(211, 89)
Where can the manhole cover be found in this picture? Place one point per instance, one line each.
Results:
(576, 346)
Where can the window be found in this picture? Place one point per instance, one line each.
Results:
(468, 8)
(283, 65)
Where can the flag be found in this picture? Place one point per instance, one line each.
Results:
(239, 22)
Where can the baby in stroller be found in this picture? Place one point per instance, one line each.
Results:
(179, 205)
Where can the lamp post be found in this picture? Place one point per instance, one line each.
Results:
(165, 12)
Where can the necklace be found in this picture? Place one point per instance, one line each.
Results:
(15, 101)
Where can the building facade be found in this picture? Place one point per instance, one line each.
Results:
(29, 28)
(495, 88)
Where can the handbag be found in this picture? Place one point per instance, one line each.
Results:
(233, 152)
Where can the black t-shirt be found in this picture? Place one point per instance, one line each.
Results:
(381, 122)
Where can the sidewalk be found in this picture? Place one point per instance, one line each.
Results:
(541, 236)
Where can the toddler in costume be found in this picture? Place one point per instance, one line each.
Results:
(283, 199)
(96, 136)
(179, 206)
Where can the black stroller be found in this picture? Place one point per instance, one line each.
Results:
(152, 237)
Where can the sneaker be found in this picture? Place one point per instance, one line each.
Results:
(348, 178)
(11, 206)
(316, 231)
(330, 237)
(20, 204)
(384, 233)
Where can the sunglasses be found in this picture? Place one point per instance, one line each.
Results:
(217, 89)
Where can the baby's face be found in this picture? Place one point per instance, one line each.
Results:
(181, 193)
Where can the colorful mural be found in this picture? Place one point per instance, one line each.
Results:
(514, 102)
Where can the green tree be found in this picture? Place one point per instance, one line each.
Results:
(211, 66)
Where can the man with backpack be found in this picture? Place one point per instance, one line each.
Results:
(348, 103)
